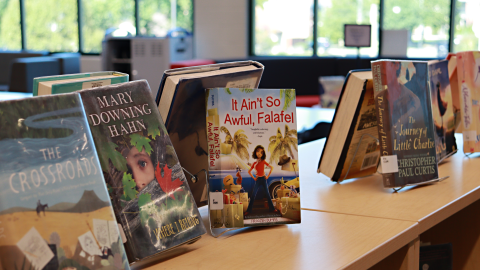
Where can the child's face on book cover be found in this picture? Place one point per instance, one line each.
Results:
(142, 167)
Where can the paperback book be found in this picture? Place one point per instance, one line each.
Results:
(405, 123)
(468, 73)
(351, 149)
(146, 183)
(72, 82)
(55, 212)
(181, 102)
(442, 110)
(252, 157)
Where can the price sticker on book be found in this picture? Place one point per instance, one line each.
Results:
(389, 164)
(216, 200)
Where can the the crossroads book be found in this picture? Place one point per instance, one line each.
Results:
(55, 212)
(147, 186)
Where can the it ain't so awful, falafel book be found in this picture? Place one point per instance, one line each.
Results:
(146, 183)
(55, 212)
(253, 157)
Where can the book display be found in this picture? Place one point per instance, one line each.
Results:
(360, 154)
(405, 123)
(181, 102)
(146, 183)
(73, 82)
(252, 157)
(55, 212)
(469, 93)
(442, 110)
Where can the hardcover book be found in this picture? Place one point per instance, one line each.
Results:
(405, 123)
(351, 149)
(72, 82)
(146, 183)
(468, 72)
(181, 102)
(253, 157)
(442, 110)
(55, 212)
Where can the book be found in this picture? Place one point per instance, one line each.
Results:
(436, 256)
(148, 189)
(181, 102)
(405, 123)
(253, 157)
(351, 149)
(468, 74)
(55, 211)
(72, 82)
(453, 78)
(442, 109)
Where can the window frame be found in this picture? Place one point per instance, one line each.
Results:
(251, 33)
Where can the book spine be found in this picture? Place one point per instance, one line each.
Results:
(383, 120)
(213, 129)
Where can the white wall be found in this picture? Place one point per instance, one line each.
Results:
(90, 63)
(220, 29)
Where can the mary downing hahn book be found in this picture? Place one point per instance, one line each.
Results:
(253, 157)
(146, 183)
(55, 212)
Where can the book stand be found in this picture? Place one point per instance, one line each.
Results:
(215, 232)
(395, 189)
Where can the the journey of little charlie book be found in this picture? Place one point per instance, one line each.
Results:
(253, 157)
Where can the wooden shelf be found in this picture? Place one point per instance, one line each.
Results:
(321, 241)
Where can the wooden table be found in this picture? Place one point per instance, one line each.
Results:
(321, 241)
(430, 206)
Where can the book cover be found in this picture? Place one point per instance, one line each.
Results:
(55, 212)
(72, 82)
(146, 183)
(253, 157)
(442, 110)
(185, 117)
(468, 67)
(359, 153)
(453, 78)
(405, 123)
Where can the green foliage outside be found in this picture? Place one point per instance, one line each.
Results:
(52, 25)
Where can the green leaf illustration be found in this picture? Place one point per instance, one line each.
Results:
(129, 187)
(140, 142)
(153, 131)
(108, 152)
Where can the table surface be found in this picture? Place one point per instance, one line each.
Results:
(426, 204)
(321, 241)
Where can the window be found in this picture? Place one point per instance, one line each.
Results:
(427, 23)
(283, 27)
(467, 26)
(100, 17)
(10, 32)
(156, 19)
(51, 25)
(330, 25)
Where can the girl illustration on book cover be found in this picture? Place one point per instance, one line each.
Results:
(260, 177)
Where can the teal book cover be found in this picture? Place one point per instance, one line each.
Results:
(252, 157)
(55, 212)
(68, 83)
(146, 183)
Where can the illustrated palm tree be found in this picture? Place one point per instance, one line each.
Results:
(288, 95)
(282, 144)
(239, 142)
